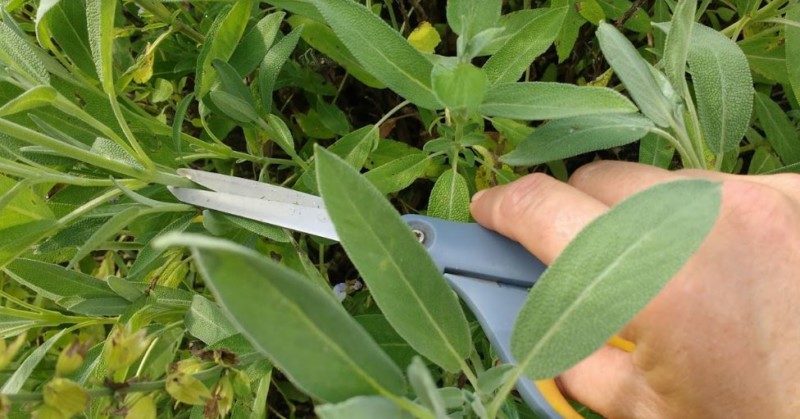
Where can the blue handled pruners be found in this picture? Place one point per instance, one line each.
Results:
(490, 273)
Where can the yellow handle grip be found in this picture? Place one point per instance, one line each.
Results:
(549, 389)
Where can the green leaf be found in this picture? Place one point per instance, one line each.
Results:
(271, 66)
(541, 100)
(363, 407)
(461, 87)
(766, 57)
(255, 43)
(723, 88)
(562, 138)
(231, 82)
(322, 38)
(427, 393)
(206, 321)
(450, 197)
(387, 338)
(100, 25)
(222, 38)
(281, 134)
(33, 98)
(25, 369)
(676, 49)
(763, 162)
(264, 230)
(793, 49)
(107, 231)
(354, 148)
(18, 239)
(400, 274)
(573, 21)
(780, 132)
(21, 204)
(398, 174)
(635, 73)
(65, 23)
(381, 50)
(17, 55)
(234, 107)
(610, 271)
(57, 282)
(304, 332)
(656, 151)
(514, 57)
(469, 17)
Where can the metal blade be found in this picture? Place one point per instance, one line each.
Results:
(301, 218)
(250, 188)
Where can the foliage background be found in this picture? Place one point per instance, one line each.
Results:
(100, 102)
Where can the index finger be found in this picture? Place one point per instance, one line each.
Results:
(538, 211)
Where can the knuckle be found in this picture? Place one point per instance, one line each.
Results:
(585, 173)
(790, 180)
(756, 209)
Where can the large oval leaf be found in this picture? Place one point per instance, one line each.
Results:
(562, 138)
(307, 334)
(635, 73)
(401, 275)
(609, 272)
(541, 100)
(511, 60)
(723, 87)
(381, 50)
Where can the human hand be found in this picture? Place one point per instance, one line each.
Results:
(722, 339)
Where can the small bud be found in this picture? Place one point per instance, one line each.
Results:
(66, 396)
(8, 352)
(183, 387)
(143, 408)
(123, 347)
(71, 358)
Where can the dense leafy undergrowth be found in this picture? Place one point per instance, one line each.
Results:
(120, 301)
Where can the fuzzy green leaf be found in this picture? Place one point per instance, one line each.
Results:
(17, 55)
(401, 275)
(381, 50)
(469, 17)
(450, 197)
(610, 271)
(511, 60)
(322, 38)
(562, 138)
(676, 49)
(461, 87)
(206, 321)
(222, 38)
(33, 98)
(305, 333)
(541, 100)
(635, 73)
(398, 174)
(100, 24)
(363, 407)
(271, 66)
(723, 87)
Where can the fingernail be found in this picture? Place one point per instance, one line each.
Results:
(477, 195)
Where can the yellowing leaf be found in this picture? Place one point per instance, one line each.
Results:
(424, 38)
(144, 68)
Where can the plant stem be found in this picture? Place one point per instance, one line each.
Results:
(162, 13)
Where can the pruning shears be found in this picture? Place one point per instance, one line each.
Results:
(489, 272)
